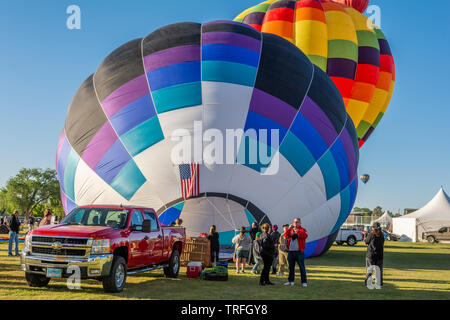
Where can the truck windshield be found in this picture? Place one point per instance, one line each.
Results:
(105, 217)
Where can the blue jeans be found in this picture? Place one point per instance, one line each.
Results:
(296, 257)
(13, 236)
(258, 264)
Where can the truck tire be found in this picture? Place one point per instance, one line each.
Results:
(351, 241)
(431, 239)
(115, 281)
(36, 280)
(173, 269)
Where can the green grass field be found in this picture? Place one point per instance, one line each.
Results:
(412, 271)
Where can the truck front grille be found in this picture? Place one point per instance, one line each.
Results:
(60, 246)
(60, 252)
(50, 240)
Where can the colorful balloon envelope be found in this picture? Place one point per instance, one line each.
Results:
(342, 42)
(118, 140)
(360, 5)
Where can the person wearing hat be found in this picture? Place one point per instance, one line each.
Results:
(275, 235)
(47, 218)
(375, 248)
(241, 249)
(257, 254)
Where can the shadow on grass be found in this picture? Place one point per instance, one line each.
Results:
(398, 260)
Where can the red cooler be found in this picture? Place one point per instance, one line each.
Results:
(194, 270)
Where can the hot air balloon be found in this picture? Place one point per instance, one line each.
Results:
(360, 5)
(126, 120)
(365, 178)
(343, 43)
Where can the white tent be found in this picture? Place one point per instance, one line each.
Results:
(385, 220)
(431, 217)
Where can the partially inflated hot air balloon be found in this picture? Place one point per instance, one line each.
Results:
(149, 95)
(343, 43)
(365, 178)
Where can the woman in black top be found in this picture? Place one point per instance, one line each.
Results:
(267, 254)
(375, 248)
(213, 237)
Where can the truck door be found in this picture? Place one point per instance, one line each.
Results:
(442, 234)
(138, 243)
(155, 241)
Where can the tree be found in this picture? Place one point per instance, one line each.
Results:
(32, 188)
(378, 211)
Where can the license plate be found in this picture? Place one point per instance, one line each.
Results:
(54, 273)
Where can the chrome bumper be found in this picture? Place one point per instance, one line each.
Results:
(90, 267)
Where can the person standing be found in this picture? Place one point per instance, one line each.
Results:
(213, 237)
(252, 232)
(283, 251)
(296, 236)
(257, 254)
(242, 248)
(275, 235)
(14, 227)
(267, 253)
(375, 248)
(31, 222)
(47, 218)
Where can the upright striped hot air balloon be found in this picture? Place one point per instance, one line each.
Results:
(343, 43)
(117, 142)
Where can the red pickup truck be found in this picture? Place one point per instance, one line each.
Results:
(105, 243)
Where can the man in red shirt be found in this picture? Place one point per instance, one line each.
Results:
(296, 236)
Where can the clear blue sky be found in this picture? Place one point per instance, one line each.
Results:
(42, 64)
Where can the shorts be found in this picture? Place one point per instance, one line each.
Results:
(242, 253)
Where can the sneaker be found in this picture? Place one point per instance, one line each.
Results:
(243, 271)
(237, 271)
(253, 272)
(10, 255)
(289, 283)
(304, 285)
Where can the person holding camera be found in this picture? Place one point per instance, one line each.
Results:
(296, 236)
(267, 254)
(375, 248)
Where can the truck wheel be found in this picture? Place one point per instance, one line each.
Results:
(116, 280)
(431, 239)
(351, 241)
(174, 265)
(36, 280)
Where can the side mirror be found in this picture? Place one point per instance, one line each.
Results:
(146, 226)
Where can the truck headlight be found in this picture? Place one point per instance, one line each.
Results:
(101, 246)
(28, 242)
